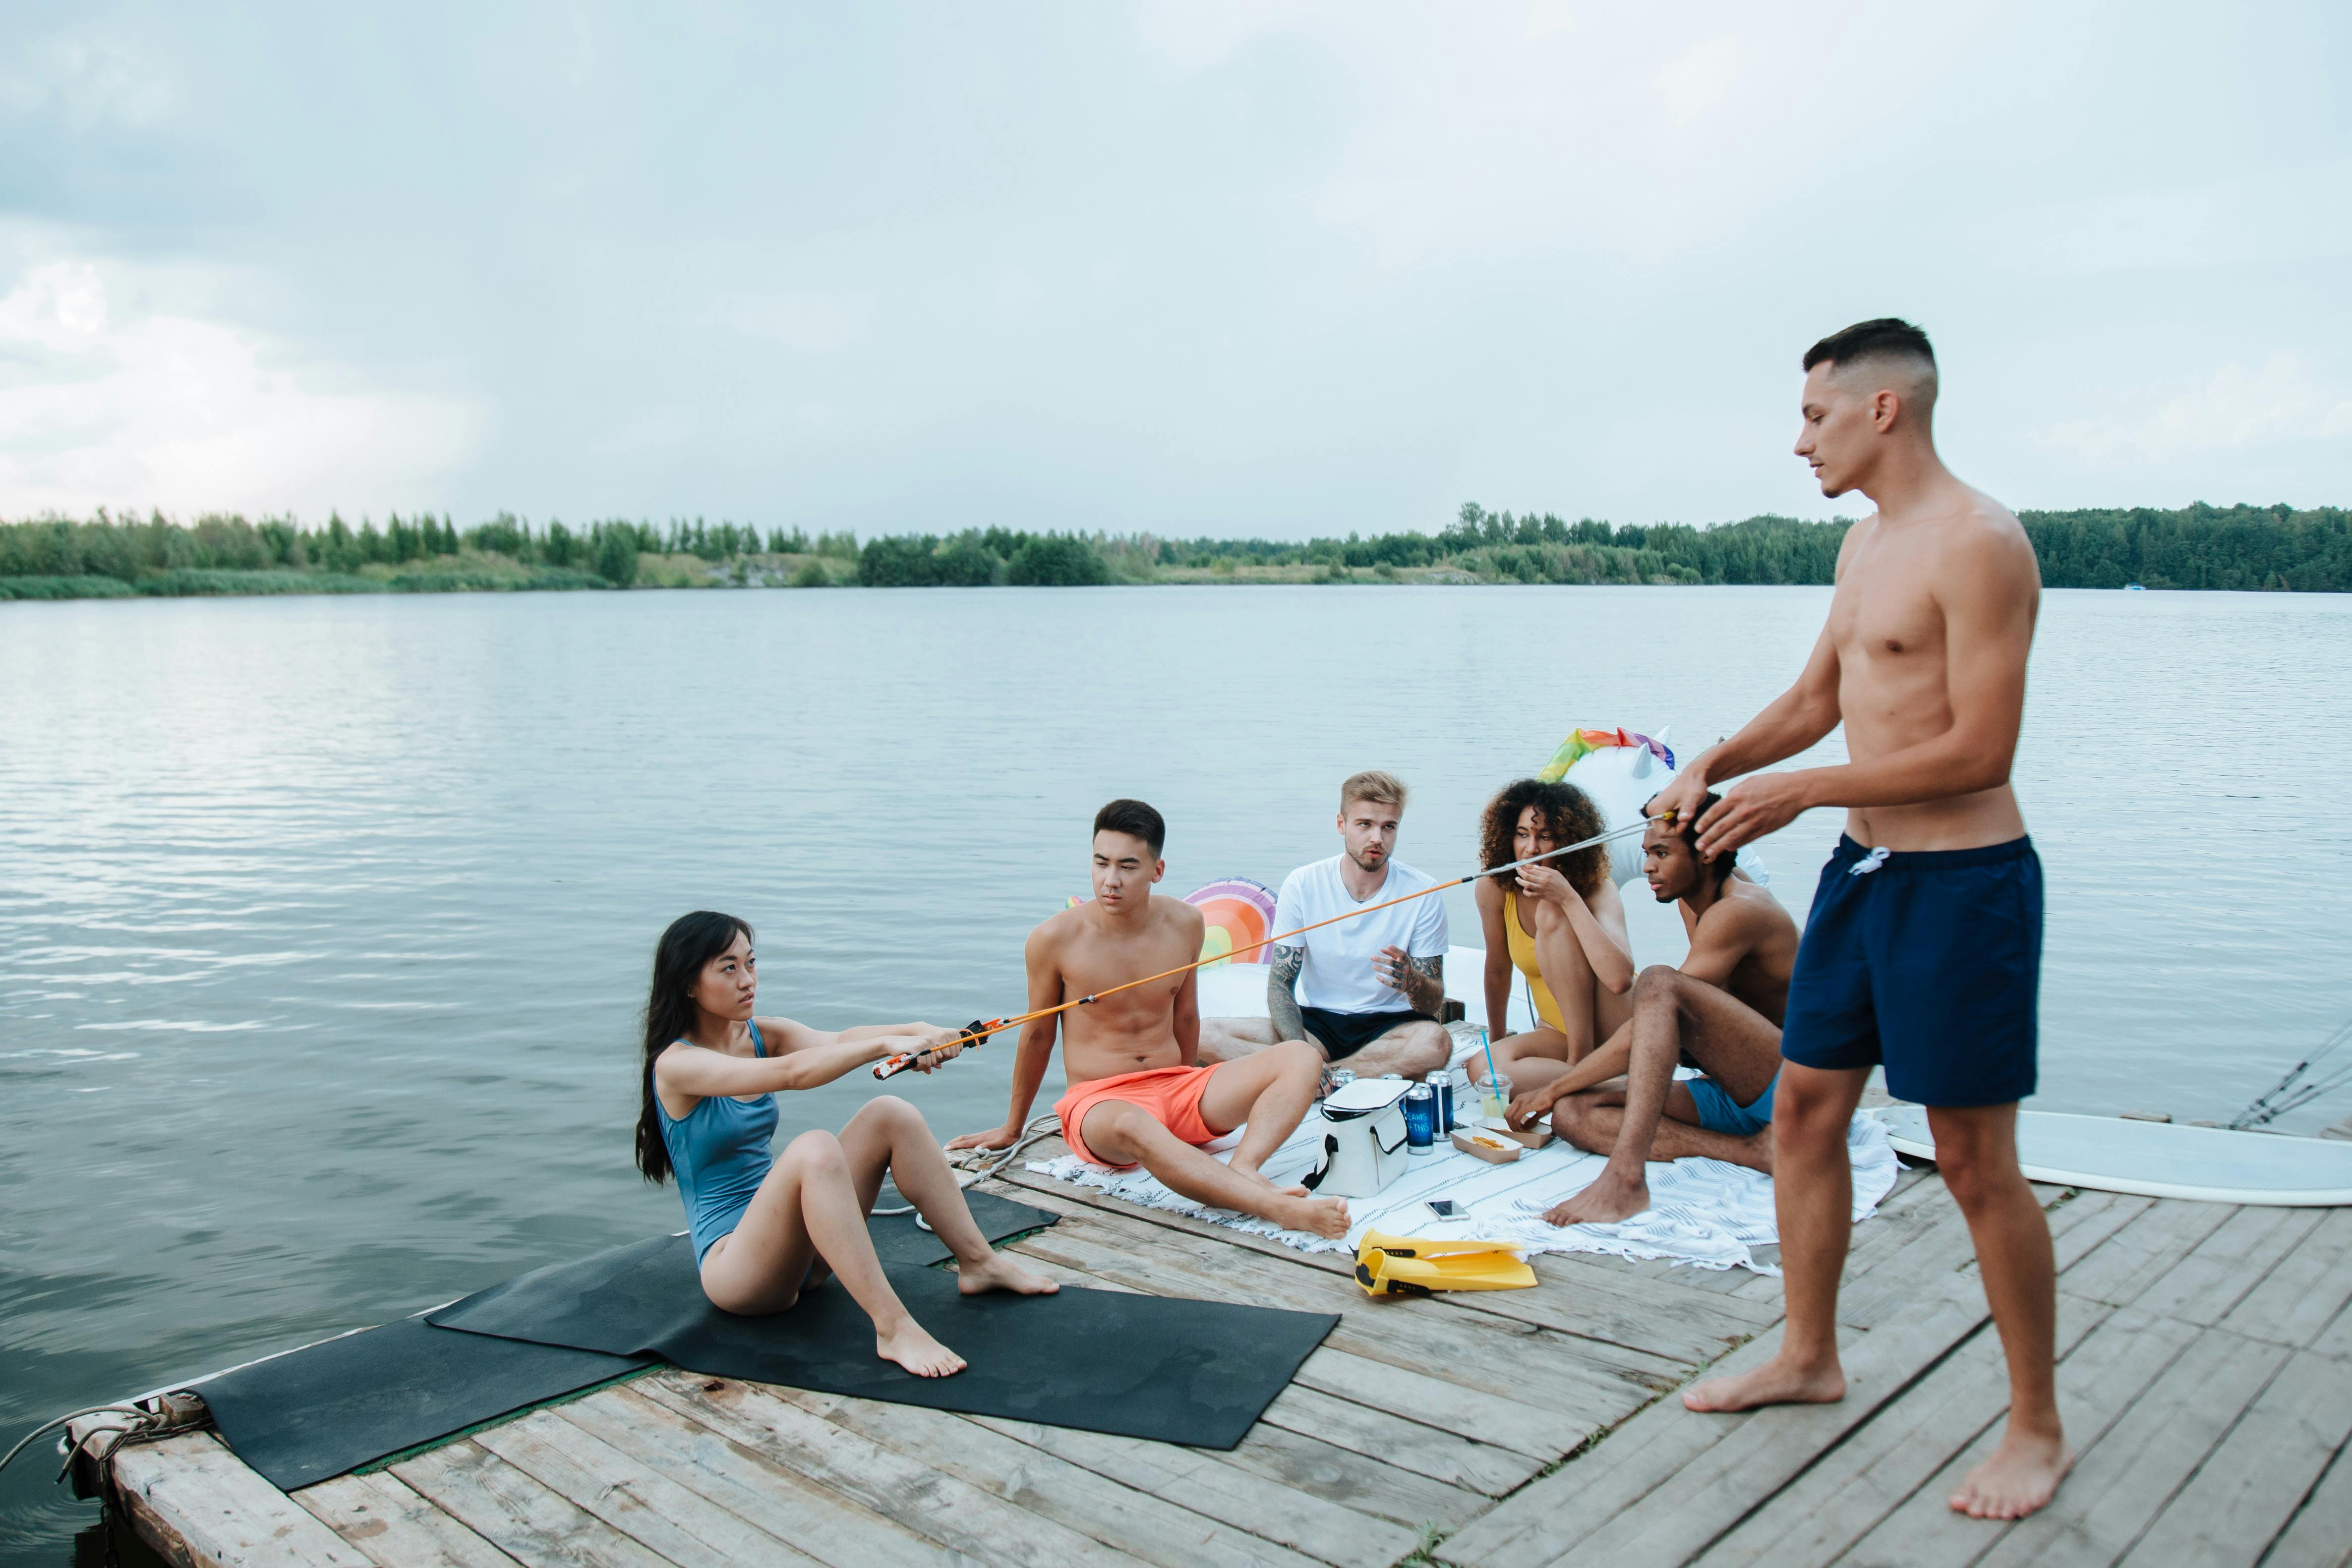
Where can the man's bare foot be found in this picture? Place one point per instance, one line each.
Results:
(1002, 1273)
(1777, 1382)
(1611, 1197)
(1322, 1215)
(2020, 1476)
(911, 1347)
(1259, 1176)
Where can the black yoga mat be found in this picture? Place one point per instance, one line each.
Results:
(311, 1414)
(898, 1239)
(314, 1413)
(1176, 1370)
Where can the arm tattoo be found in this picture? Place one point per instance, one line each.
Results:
(1282, 993)
(1425, 983)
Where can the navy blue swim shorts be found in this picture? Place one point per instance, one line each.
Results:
(1928, 961)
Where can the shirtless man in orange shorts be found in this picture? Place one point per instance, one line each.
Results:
(1137, 1094)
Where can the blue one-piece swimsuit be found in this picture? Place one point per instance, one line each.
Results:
(719, 1152)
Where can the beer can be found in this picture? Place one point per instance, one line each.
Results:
(1419, 1119)
(1440, 1083)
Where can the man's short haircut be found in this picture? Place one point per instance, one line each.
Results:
(1886, 338)
(1135, 820)
(1686, 829)
(1380, 789)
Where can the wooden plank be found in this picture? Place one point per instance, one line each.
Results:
(1676, 1328)
(1525, 1527)
(1384, 1435)
(924, 1500)
(2140, 1430)
(2249, 1486)
(1139, 1524)
(191, 1492)
(1862, 1480)
(787, 1505)
(382, 1515)
(1530, 1429)
(1326, 1494)
(1937, 1260)
(1502, 1357)
(1763, 1450)
(2335, 1339)
(1670, 1480)
(521, 1517)
(633, 1499)
(2219, 1270)
(2320, 1535)
(2143, 1252)
(2297, 1299)
(2078, 1228)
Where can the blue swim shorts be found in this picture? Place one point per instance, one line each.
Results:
(1928, 961)
(1719, 1112)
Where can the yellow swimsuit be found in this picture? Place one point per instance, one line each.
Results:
(1523, 958)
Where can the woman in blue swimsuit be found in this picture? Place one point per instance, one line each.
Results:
(765, 1224)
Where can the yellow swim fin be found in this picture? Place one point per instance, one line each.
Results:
(1415, 1265)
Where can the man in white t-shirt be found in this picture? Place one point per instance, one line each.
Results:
(1367, 991)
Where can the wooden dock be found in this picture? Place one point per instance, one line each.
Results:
(2207, 1381)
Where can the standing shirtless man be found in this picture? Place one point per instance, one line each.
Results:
(1721, 1010)
(1137, 1094)
(1924, 947)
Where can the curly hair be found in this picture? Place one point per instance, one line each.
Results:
(1568, 814)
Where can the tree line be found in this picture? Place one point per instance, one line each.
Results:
(2196, 547)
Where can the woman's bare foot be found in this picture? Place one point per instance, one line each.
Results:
(911, 1347)
(1778, 1382)
(2020, 1476)
(1322, 1215)
(1000, 1273)
(1610, 1198)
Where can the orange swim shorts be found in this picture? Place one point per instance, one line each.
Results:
(1172, 1095)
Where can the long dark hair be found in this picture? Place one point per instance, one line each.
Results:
(691, 941)
(1567, 813)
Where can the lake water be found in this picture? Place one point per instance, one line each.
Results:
(323, 921)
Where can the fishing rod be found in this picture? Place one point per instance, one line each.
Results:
(977, 1033)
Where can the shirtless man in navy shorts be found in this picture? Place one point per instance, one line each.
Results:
(1924, 947)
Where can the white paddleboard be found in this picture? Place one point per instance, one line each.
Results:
(2159, 1159)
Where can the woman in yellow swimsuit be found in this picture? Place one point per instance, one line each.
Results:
(1560, 924)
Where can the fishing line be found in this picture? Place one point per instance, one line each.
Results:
(2290, 1094)
(977, 1033)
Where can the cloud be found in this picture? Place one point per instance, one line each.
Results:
(133, 408)
(2236, 408)
(809, 323)
(1698, 80)
(87, 79)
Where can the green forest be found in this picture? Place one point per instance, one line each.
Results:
(2277, 549)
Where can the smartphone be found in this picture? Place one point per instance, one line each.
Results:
(1444, 1207)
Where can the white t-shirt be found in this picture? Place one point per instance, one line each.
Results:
(1338, 974)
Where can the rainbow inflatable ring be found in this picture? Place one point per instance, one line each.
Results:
(1239, 913)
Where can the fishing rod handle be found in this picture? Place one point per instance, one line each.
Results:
(975, 1034)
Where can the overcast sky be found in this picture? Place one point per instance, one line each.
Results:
(1252, 268)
